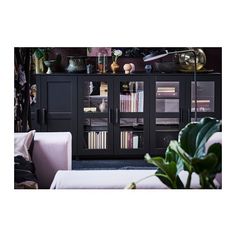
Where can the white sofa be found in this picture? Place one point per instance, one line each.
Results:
(118, 179)
(52, 152)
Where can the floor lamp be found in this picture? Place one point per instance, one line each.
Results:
(156, 55)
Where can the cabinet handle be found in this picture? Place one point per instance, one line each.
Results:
(117, 115)
(44, 114)
(38, 120)
(110, 116)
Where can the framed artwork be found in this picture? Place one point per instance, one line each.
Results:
(93, 52)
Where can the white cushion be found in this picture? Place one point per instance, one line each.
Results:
(113, 179)
(22, 142)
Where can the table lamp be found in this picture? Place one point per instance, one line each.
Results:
(156, 55)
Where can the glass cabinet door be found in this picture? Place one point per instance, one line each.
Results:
(95, 133)
(96, 122)
(167, 97)
(131, 96)
(205, 96)
(131, 133)
(95, 97)
(131, 124)
(168, 114)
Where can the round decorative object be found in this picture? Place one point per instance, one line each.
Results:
(148, 68)
(133, 68)
(127, 68)
(186, 60)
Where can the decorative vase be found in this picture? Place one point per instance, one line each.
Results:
(49, 65)
(73, 66)
(114, 67)
(103, 106)
(39, 67)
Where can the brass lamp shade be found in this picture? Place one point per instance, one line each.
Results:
(186, 60)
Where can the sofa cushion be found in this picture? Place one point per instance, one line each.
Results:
(24, 170)
(25, 177)
(23, 144)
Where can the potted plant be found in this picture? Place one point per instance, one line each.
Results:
(116, 53)
(189, 154)
(40, 55)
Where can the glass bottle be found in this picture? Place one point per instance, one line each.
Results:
(99, 63)
(104, 62)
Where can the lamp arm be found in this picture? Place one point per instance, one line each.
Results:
(194, 77)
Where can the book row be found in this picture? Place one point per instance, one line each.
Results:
(131, 140)
(132, 102)
(97, 140)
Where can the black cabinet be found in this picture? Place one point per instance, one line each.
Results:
(172, 104)
(56, 107)
(113, 117)
(123, 116)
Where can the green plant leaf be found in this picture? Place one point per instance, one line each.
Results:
(206, 164)
(187, 136)
(171, 155)
(215, 127)
(216, 148)
(189, 154)
(192, 137)
(39, 53)
(166, 171)
(174, 146)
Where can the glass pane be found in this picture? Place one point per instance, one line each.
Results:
(167, 94)
(167, 121)
(205, 96)
(131, 135)
(198, 119)
(167, 89)
(167, 105)
(163, 138)
(167, 129)
(95, 133)
(95, 96)
(131, 96)
(131, 139)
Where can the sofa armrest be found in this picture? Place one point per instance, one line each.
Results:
(52, 152)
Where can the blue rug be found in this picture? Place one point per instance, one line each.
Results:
(110, 164)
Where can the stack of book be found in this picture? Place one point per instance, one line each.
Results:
(132, 102)
(97, 140)
(202, 105)
(166, 91)
(130, 140)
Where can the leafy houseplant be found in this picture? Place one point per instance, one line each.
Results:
(189, 154)
(40, 55)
